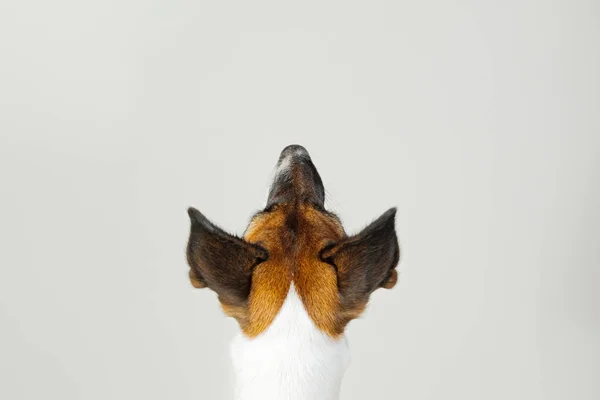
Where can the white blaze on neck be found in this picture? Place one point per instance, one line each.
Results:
(291, 360)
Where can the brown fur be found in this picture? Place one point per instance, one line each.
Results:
(294, 235)
(294, 241)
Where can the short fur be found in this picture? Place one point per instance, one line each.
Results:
(334, 273)
(291, 360)
(293, 253)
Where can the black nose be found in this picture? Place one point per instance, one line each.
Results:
(294, 150)
(296, 179)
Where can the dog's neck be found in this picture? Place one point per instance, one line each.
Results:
(292, 360)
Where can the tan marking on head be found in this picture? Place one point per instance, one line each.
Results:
(315, 280)
(271, 280)
(294, 235)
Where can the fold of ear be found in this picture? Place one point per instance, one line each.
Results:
(366, 261)
(220, 261)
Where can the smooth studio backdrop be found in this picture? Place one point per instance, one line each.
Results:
(479, 120)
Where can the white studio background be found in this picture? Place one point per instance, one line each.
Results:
(479, 120)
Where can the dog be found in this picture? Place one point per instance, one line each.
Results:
(293, 282)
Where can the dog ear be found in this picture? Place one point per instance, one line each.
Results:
(220, 261)
(366, 261)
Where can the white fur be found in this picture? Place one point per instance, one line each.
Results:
(301, 152)
(283, 166)
(291, 360)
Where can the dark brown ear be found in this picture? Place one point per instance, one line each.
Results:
(220, 261)
(366, 261)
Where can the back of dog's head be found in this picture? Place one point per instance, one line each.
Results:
(294, 240)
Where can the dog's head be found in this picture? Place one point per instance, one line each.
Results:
(294, 240)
